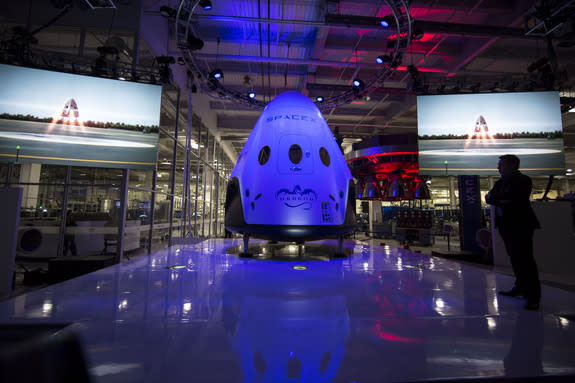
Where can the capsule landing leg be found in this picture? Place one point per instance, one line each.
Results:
(339, 253)
(245, 253)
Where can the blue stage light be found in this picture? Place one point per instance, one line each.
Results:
(357, 83)
(379, 59)
(216, 74)
(252, 95)
(319, 99)
(206, 5)
(386, 21)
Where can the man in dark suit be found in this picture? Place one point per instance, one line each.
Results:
(516, 222)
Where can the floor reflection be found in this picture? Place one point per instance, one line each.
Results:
(290, 252)
(199, 313)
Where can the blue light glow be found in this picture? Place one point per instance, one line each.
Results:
(252, 95)
(293, 129)
(384, 23)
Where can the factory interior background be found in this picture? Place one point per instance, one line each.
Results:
(261, 48)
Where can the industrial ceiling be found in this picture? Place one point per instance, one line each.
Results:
(319, 47)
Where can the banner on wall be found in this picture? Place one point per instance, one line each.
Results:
(470, 207)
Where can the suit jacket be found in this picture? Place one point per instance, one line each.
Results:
(510, 195)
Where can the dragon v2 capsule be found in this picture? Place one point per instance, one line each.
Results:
(291, 181)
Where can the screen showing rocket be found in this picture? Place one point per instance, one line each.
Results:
(67, 119)
(464, 134)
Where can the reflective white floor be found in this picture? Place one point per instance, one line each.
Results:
(383, 314)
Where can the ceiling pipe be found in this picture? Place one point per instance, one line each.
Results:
(282, 60)
(372, 23)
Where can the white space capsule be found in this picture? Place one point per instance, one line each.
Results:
(291, 181)
(480, 125)
(70, 109)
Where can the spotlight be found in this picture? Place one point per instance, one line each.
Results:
(252, 95)
(382, 59)
(168, 12)
(319, 99)
(358, 83)
(216, 74)
(386, 21)
(206, 5)
(194, 43)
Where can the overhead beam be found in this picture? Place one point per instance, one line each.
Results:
(372, 23)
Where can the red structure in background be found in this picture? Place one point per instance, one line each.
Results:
(387, 169)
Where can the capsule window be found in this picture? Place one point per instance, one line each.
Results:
(295, 154)
(264, 155)
(324, 155)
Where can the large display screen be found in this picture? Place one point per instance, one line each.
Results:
(464, 134)
(66, 119)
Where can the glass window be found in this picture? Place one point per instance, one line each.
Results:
(295, 153)
(264, 155)
(103, 176)
(55, 174)
(324, 155)
(141, 178)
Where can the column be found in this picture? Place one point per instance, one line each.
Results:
(30, 174)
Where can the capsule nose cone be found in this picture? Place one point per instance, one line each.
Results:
(292, 98)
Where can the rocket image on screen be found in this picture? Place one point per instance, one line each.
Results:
(480, 132)
(69, 114)
(291, 181)
(481, 128)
